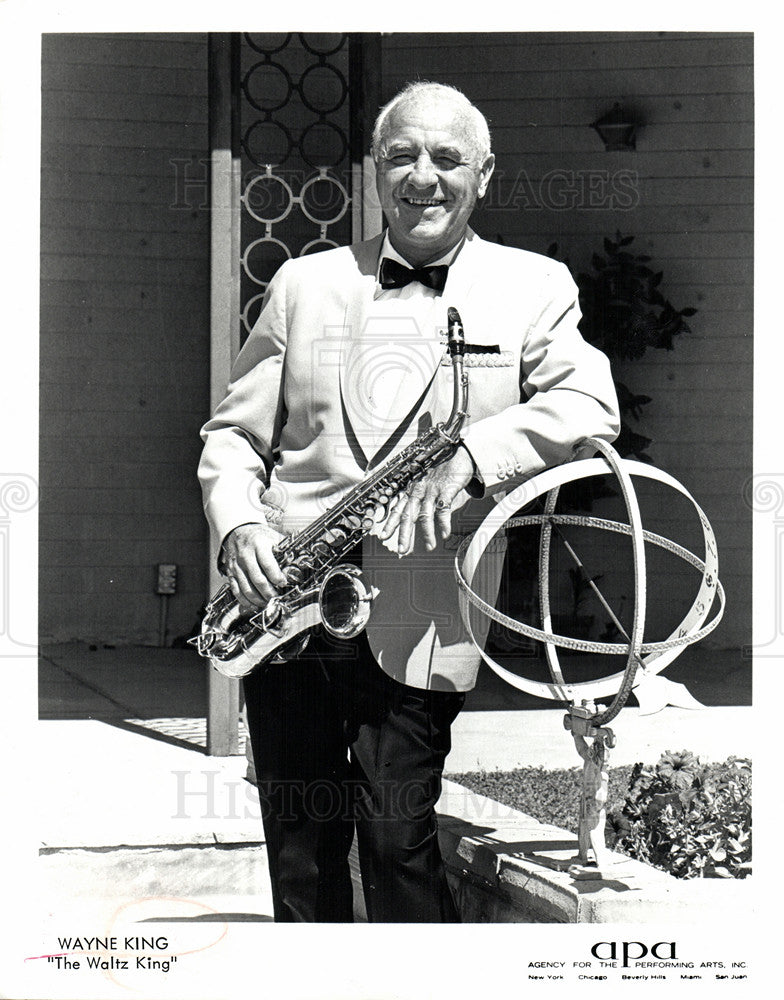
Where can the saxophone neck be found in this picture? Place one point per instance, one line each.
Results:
(456, 349)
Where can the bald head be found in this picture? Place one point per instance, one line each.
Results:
(431, 150)
(437, 101)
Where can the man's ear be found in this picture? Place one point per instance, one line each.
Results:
(485, 173)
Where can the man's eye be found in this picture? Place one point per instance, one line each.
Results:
(447, 162)
(399, 159)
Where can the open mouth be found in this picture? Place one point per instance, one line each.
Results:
(422, 202)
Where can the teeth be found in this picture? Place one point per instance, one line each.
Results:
(422, 201)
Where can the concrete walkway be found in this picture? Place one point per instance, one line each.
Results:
(126, 726)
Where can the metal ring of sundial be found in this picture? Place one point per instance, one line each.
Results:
(650, 658)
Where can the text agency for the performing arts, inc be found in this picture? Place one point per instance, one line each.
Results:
(625, 961)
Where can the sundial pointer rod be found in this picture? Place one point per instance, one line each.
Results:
(591, 584)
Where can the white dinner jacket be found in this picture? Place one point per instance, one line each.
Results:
(294, 431)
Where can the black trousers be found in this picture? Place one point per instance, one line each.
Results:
(339, 746)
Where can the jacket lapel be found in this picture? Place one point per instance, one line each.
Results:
(391, 352)
(463, 274)
(359, 293)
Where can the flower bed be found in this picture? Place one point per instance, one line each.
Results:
(685, 817)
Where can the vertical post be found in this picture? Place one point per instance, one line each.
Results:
(364, 75)
(223, 55)
(593, 799)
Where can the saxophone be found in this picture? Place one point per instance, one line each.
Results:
(322, 586)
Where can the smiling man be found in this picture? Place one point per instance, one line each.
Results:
(345, 366)
(433, 161)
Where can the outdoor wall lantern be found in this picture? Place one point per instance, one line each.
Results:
(617, 129)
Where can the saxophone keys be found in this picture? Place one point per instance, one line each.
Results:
(374, 514)
(294, 574)
(334, 537)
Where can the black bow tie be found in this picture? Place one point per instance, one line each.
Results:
(396, 275)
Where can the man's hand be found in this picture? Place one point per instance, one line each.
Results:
(251, 567)
(429, 504)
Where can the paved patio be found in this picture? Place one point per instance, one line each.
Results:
(126, 726)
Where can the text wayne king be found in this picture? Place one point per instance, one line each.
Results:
(130, 943)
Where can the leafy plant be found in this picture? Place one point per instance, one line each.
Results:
(687, 819)
(624, 314)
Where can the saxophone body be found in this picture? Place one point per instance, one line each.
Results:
(323, 587)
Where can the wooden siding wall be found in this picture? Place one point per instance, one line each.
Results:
(124, 332)
(685, 194)
(125, 266)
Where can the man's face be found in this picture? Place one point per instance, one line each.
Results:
(429, 177)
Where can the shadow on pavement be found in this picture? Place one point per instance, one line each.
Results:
(156, 692)
(162, 692)
(714, 677)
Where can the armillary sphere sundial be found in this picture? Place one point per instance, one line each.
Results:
(586, 720)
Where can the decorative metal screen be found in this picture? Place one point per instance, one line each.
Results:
(296, 168)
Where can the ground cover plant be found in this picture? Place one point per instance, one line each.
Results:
(684, 817)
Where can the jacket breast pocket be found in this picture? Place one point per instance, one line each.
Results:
(493, 382)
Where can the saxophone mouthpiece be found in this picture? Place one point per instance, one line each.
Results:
(456, 335)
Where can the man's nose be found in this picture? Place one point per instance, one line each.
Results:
(423, 173)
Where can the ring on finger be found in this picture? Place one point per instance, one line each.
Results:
(443, 504)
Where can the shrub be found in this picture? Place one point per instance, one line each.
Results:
(549, 795)
(688, 819)
(624, 314)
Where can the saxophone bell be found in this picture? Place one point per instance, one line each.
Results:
(345, 601)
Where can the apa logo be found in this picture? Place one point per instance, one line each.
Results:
(611, 951)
